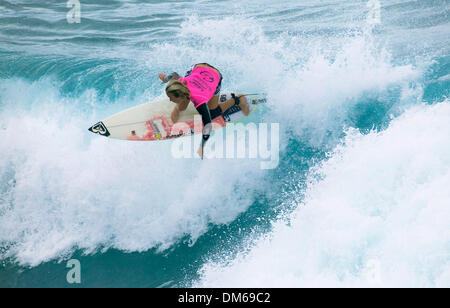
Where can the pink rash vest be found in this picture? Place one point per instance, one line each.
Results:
(202, 83)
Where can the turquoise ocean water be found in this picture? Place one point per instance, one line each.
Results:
(360, 196)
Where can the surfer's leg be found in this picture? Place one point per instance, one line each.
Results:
(239, 100)
(213, 103)
(214, 108)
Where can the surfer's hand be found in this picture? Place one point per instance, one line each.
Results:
(200, 152)
(162, 76)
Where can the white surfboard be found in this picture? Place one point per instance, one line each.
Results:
(152, 121)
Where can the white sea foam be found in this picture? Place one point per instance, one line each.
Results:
(64, 188)
(311, 83)
(376, 214)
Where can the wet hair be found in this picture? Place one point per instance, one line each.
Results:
(178, 89)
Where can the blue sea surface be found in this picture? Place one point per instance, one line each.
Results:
(360, 195)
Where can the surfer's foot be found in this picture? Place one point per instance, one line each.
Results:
(241, 101)
(235, 100)
(243, 104)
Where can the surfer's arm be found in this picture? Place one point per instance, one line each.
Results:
(206, 119)
(166, 78)
(175, 114)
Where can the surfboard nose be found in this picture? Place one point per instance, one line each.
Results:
(99, 128)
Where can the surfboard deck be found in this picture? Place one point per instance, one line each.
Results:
(152, 121)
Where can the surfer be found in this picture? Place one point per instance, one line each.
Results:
(201, 85)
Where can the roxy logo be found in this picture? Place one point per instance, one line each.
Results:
(235, 141)
(74, 15)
